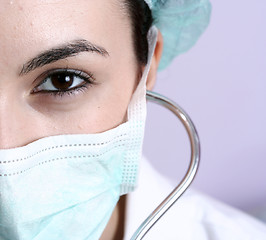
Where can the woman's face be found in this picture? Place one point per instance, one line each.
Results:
(82, 47)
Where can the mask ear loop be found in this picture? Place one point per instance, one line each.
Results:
(192, 170)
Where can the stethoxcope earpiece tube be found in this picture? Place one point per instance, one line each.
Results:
(192, 170)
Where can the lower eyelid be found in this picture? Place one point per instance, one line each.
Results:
(60, 102)
(67, 93)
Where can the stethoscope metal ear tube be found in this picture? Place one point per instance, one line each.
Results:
(192, 170)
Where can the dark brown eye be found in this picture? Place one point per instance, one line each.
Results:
(62, 81)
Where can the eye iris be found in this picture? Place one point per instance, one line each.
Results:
(62, 81)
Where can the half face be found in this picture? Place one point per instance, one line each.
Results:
(66, 67)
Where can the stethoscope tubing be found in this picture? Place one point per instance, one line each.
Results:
(192, 169)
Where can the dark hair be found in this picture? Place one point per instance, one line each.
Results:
(141, 21)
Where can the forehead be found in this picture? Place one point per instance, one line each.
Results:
(30, 26)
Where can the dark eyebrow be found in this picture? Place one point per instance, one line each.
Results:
(68, 50)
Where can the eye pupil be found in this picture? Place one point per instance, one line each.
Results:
(62, 81)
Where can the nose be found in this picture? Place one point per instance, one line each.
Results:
(15, 128)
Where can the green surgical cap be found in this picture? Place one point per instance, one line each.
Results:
(181, 23)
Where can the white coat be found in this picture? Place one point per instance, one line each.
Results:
(193, 217)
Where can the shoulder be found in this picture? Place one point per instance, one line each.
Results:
(194, 216)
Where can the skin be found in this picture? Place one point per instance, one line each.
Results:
(29, 28)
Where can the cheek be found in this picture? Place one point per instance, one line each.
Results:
(109, 107)
(99, 108)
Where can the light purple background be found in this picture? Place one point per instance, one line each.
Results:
(221, 83)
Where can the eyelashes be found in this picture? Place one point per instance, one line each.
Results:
(64, 82)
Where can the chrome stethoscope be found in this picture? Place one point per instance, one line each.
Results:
(192, 170)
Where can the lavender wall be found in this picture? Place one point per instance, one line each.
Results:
(221, 83)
